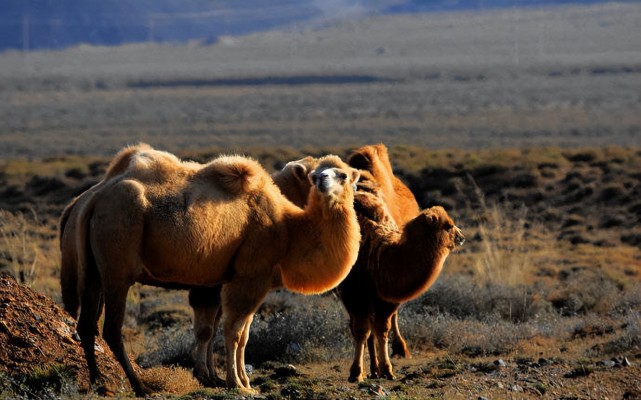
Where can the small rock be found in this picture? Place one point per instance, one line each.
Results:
(516, 388)
(543, 362)
(500, 385)
(482, 398)
(249, 369)
(620, 361)
(500, 363)
(606, 363)
(282, 372)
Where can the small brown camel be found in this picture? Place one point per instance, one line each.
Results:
(160, 221)
(379, 284)
(401, 204)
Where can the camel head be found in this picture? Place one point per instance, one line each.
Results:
(293, 180)
(440, 227)
(335, 180)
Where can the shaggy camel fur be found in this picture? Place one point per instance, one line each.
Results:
(401, 204)
(292, 180)
(164, 222)
(294, 183)
(378, 283)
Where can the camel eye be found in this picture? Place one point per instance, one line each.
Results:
(448, 227)
(314, 178)
(342, 175)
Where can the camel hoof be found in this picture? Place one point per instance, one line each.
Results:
(389, 376)
(247, 391)
(143, 391)
(355, 379)
(209, 380)
(399, 350)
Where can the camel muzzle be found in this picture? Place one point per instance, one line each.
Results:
(459, 239)
(325, 180)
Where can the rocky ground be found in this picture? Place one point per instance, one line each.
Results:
(40, 356)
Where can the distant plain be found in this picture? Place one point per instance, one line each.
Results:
(509, 78)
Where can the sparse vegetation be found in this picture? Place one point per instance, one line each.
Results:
(537, 161)
(519, 285)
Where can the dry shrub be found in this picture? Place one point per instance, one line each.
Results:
(629, 339)
(461, 297)
(173, 346)
(19, 253)
(466, 336)
(585, 290)
(311, 329)
(504, 258)
(174, 380)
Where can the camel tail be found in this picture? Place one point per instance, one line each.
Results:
(68, 267)
(85, 260)
(235, 174)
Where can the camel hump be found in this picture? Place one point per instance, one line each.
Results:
(235, 174)
(122, 160)
(367, 156)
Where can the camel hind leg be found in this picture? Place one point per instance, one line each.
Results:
(207, 312)
(399, 346)
(115, 302)
(88, 320)
(115, 233)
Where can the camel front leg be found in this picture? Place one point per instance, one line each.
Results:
(240, 299)
(399, 346)
(207, 311)
(382, 326)
(240, 354)
(233, 329)
(359, 327)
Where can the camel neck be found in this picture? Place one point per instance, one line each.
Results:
(409, 265)
(323, 246)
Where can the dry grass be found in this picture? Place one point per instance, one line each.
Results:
(519, 286)
(21, 255)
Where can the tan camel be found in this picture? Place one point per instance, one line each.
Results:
(402, 205)
(170, 223)
(292, 180)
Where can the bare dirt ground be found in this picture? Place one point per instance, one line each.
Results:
(38, 340)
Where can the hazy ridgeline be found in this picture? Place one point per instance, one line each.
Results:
(508, 78)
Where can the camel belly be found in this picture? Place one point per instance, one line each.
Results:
(195, 247)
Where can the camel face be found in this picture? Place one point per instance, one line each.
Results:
(447, 233)
(333, 178)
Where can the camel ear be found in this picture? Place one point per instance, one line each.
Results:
(430, 218)
(300, 171)
(360, 161)
(355, 177)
